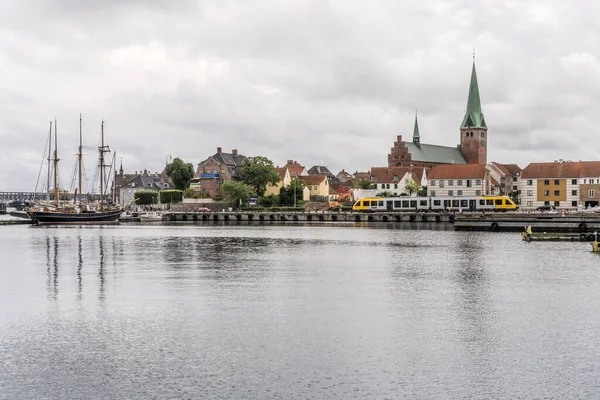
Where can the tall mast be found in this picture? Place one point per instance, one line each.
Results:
(79, 156)
(55, 166)
(49, 160)
(114, 196)
(102, 167)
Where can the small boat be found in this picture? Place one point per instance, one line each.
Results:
(76, 213)
(151, 216)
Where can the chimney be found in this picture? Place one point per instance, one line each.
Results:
(234, 152)
(290, 161)
(219, 149)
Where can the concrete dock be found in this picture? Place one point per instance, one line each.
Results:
(516, 222)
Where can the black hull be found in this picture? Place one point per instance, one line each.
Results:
(61, 218)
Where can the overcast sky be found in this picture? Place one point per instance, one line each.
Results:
(321, 82)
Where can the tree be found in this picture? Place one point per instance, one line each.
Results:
(258, 172)
(145, 197)
(180, 173)
(171, 196)
(422, 192)
(363, 184)
(385, 193)
(286, 194)
(237, 193)
(190, 193)
(412, 187)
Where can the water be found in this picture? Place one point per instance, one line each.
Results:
(295, 312)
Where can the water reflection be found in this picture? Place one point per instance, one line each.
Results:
(101, 294)
(79, 268)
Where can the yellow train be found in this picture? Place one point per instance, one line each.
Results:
(472, 203)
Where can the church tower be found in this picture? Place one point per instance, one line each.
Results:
(473, 130)
(416, 136)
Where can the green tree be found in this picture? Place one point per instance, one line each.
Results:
(190, 193)
(363, 184)
(286, 194)
(237, 193)
(171, 196)
(385, 193)
(412, 187)
(180, 173)
(258, 172)
(422, 191)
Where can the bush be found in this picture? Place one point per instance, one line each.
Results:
(217, 197)
(190, 193)
(171, 196)
(145, 197)
(269, 201)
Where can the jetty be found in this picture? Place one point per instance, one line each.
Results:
(539, 222)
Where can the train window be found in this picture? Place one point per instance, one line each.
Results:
(380, 203)
(413, 203)
(366, 203)
(437, 202)
(464, 203)
(482, 202)
(397, 204)
(455, 203)
(405, 204)
(498, 202)
(423, 202)
(489, 202)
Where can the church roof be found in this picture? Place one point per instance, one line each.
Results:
(436, 154)
(473, 116)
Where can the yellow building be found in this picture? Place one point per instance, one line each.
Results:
(284, 180)
(318, 187)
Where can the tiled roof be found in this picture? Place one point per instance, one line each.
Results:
(281, 172)
(313, 179)
(567, 169)
(387, 174)
(320, 170)
(295, 168)
(434, 153)
(508, 169)
(464, 171)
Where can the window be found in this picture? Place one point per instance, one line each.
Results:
(557, 192)
(546, 193)
(574, 192)
(514, 188)
(468, 183)
(546, 203)
(455, 203)
(433, 195)
(478, 182)
(530, 204)
(574, 203)
(423, 203)
(459, 182)
(573, 181)
(482, 202)
(395, 186)
(432, 183)
(530, 193)
(556, 203)
(584, 181)
(546, 182)
(482, 134)
(591, 193)
(413, 203)
(450, 182)
(380, 203)
(529, 182)
(498, 202)
(557, 182)
(489, 202)
(387, 186)
(483, 143)
(478, 193)
(437, 202)
(397, 204)
(404, 203)
(315, 187)
(514, 178)
(395, 177)
(450, 192)
(442, 183)
(464, 203)
(459, 192)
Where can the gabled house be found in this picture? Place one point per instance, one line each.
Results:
(458, 180)
(318, 186)
(295, 169)
(284, 180)
(504, 179)
(142, 182)
(217, 169)
(320, 170)
(394, 179)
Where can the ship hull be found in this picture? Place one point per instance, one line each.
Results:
(62, 218)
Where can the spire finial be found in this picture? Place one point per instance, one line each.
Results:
(473, 54)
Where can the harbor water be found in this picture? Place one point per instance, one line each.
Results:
(249, 311)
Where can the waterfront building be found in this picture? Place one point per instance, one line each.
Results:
(284, 180)
(318, 187)
(217, 169)
(504, 179)
(562, 184)
(459, 180)
(321, 170)
(473, 140)
(144, 181)
(394, 179)
(295, 169)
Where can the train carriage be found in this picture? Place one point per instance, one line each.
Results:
(438, 204)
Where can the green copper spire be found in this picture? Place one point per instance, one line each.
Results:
(473, 116)
(416, 137)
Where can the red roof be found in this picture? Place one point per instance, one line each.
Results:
(313, 179)
(566, 169)
(295, 168)
(387, 174)
(457, 171)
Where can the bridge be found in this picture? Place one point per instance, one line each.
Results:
(30, 196)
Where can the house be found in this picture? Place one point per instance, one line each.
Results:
(562, 184)
(284, 180)
(458, 180)
(142, 182)
(318, 187)
(320, 170)
(217, 169)
(394, 179)
(295, 169)
(504, 179)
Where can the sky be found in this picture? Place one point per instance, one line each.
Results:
(321, 82)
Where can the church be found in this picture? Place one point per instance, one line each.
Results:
(471, 150)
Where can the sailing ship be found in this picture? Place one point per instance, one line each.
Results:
(76, 213)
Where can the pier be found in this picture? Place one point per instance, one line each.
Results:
(516, 222)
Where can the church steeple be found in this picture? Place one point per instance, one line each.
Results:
(473, 116)
(416, 136)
